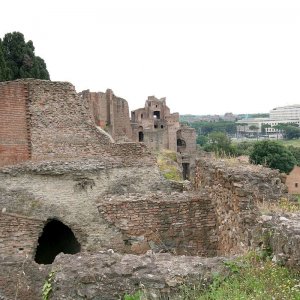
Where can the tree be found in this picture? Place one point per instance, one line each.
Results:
(273, 155)
(255, 129)
(220, 143)
(17, 59)
(202, 140)
(4, 71)
(291, 132)
(296, 153)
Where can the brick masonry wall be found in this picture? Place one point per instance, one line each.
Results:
(61, 126)
(120, 122)
(70, 193)
(18, 235)
(110, 112)
(235, 189)
(293, 181)
(14, 130)
(55, 124)
(98, 106)
(177, 223)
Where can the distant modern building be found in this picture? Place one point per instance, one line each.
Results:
(279, 115)
(290, 112)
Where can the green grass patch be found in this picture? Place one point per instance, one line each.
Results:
(253, 278)
(167, 163)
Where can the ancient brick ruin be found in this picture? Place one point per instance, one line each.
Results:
(152, 125)
(62, 179)
(110, 113)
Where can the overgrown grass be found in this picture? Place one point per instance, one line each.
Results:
(167, 163)
(252, 277)
(283, 206)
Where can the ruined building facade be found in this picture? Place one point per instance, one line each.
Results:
(155, 126)
(109, 112)
(67, 188)
(152, 125)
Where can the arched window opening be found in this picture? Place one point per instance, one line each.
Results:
(56, 238)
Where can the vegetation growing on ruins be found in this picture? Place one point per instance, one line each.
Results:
(47, 287)
(284, 205)
(167, 163)
(18, 60)
(253, 276)
(273, 155)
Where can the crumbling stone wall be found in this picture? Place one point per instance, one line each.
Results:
(69, 192)
(235, 189)
(111, 275)
(18, 235)
(110, 113)
(44, 120)
(14, 126)
(177, 223)
(278, 235)
(107, 275)
(61, 126)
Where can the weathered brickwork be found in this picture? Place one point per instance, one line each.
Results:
(156, 127)
(110, 113)
(14, 129)
(177, 223)
(293, 181)
(43, 120)
(235, 189)
(112, 195)
(69, 192)
(18, 235)
(159, 129)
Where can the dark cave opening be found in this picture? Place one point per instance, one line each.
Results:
(56, 238)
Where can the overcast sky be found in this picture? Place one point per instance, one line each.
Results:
(206, 57)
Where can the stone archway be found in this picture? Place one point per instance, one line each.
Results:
(55, 238)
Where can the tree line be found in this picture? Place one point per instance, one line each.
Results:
(268, 153)
(18, 60)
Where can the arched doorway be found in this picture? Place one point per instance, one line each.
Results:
(56, 238)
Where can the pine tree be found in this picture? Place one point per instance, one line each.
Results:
(19, 60)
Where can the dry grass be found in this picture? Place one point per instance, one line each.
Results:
(283, 206)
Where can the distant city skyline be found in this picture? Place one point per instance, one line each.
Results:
(205, 57)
